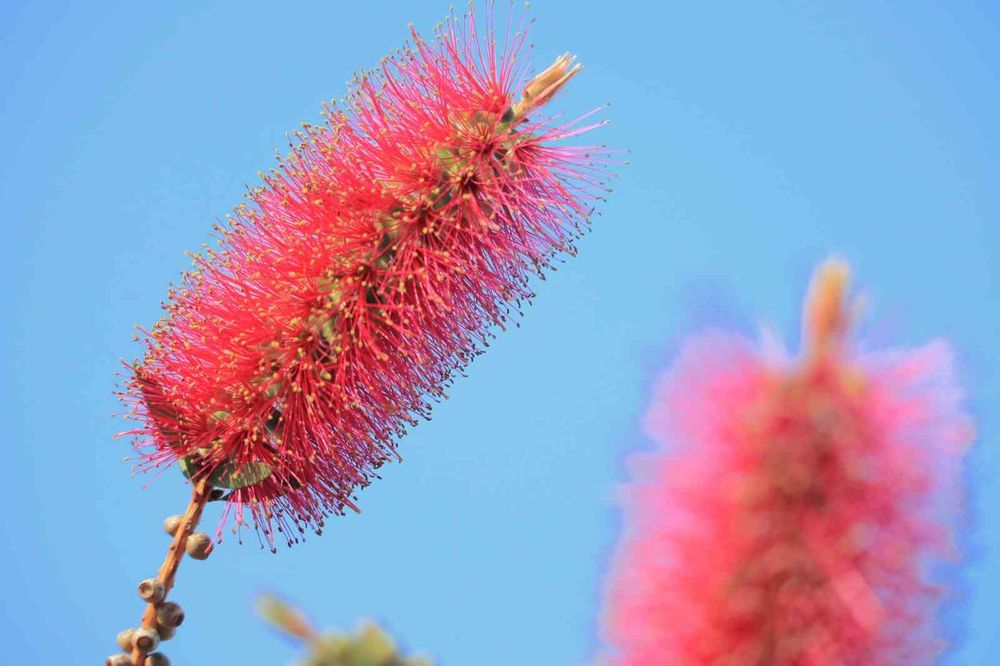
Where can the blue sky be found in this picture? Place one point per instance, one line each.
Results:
(763, 138)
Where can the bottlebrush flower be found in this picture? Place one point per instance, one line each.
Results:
(370, 267)
(792, 510)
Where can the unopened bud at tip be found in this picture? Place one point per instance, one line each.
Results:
(541, 88)
(825, 319)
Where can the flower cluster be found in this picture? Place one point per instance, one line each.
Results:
(373, 264)
(792, 510)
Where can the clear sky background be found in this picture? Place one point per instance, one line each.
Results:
(764, 136)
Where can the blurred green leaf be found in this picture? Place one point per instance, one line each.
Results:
(284, 617)
(369, 645)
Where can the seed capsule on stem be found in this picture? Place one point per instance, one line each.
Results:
(199, 546)
(157, 659)
(146, 639)
(151, 591)
(169, 615)
(171, 523)
(166, 633)
(125, 638)
(118, 660)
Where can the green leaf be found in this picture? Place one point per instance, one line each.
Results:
(273, 421)
(443, 200)
(329, 329)
(165, 417)
(232, 475)
(188, 466)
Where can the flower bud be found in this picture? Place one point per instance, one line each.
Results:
(146, 639)
(171, 523)
(119, 660)
(541, 88)
(166, 633)
(157, 659)
(124, 639)
(169, 615)
(151, 590)
(199, 545)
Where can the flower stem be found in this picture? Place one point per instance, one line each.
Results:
(168, 570)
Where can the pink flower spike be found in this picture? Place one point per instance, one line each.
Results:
(791, 512)
(375, 262)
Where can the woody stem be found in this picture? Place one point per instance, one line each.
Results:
(168, 570)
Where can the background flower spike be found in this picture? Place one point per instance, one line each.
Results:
(792, 512)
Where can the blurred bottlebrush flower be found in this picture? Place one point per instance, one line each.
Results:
(793, 509)
(373, 264)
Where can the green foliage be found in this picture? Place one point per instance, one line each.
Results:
(232, 475)
(227, 475)
(285, 618)
(369, 645)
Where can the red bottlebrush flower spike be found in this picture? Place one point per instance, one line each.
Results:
(371, 265)
(793, 511)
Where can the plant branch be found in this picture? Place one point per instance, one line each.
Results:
(168, 570)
